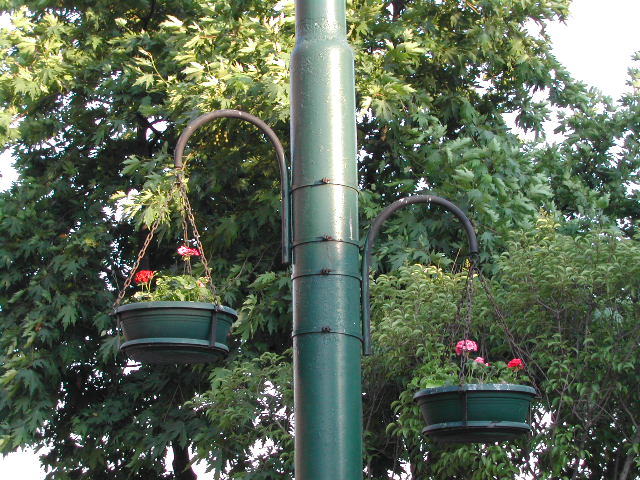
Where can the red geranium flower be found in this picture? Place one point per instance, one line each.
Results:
(516, 364)
(466, 346)
(188, 252)
(144, 276)
(481, 361)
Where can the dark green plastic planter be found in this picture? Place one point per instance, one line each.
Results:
(482, 413)
(175, 332)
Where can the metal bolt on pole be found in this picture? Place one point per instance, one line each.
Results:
(327, 336)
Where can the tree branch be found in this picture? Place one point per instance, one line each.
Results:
(181, 463)
(628, 462)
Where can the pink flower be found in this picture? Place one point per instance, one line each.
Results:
(481, 361)
(143, 276)
(188, 252)
(200, 284)
(516, 364)
(466, 346)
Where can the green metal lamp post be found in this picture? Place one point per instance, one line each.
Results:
(327, 338)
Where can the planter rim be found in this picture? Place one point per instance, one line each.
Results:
(476, 387)
(476, 425)
(173, 342)
(177, 304)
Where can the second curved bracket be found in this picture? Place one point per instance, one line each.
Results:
(371, 238)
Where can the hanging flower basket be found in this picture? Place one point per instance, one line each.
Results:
(175, 332)
(482, 413)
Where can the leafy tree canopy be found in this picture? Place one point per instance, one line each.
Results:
(92, 98)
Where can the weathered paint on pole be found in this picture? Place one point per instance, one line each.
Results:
(326, 272)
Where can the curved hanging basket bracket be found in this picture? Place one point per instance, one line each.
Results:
(275, 141)
(370, 241)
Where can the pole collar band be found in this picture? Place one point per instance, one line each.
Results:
(325, 272)
(324, 331)
(321, 183)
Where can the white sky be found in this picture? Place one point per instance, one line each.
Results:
(596, 45)
(598, 41)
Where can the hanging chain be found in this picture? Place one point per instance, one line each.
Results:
(501, 317)
(502, 320)
(185, 237)
(141, 255)
(470, 292)
(466, 298)
(196, 234)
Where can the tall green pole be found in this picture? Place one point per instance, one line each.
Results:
(326, 274)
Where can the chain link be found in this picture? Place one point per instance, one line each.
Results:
(502, 318)
(466, 300)
(141, 255)
(196, 234)
(185, 237)
(470, 292)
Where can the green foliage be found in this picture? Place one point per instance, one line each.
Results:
(160, 198)
(250, 408)
(179, 288)
(268, 302)
(471, 371)
(594, 171)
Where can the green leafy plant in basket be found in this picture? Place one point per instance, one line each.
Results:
(164, 287)
(472, 369)
(179, 288)
(477, 401)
